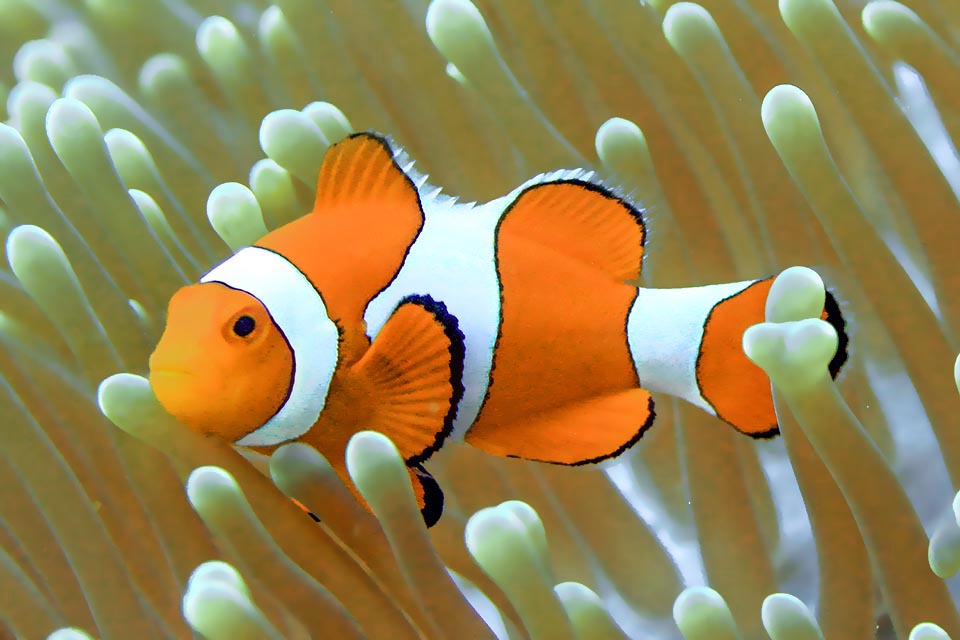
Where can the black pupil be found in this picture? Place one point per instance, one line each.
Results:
(244, 326)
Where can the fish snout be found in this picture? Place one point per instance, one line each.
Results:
(188, 397)
(175, 383)
(170, 356)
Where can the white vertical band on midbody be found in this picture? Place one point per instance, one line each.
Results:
(298, 310)
(664, 331)
(452, 262)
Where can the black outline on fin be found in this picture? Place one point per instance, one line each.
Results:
(836, 320)
(651, 416)
(432, 496)
(456, 349)
(387, 145)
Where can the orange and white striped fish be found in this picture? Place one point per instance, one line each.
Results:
(514, 325)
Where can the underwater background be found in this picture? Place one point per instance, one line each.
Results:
(143, 141)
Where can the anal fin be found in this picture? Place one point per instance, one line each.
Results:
(588, 431)
(425, 489)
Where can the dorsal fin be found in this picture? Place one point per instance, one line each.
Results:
(584, 221)
(361, 169)
(366, 217)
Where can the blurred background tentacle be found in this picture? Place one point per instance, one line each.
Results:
(143, 141)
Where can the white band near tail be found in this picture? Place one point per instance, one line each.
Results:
(298, 310)
(664, 331)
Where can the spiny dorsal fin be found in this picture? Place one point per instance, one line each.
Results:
(366, 217)
(414, 369)
(361, 169)
(584, 221)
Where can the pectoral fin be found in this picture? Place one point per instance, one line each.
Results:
(414, 371)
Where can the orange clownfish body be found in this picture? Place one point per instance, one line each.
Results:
(512, 325)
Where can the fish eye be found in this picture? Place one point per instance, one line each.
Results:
(244, 326)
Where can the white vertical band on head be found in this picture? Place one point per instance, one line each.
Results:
(298, 310)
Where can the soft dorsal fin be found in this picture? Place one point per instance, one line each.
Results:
(588, 431)
(414, 371)
(361, 169)
(584, 221)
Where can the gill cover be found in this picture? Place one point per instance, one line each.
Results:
(299, 312)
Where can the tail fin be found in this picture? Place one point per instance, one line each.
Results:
(736, 388)
(831, 313)
(688, 343)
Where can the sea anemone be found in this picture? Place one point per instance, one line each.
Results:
(755, 136)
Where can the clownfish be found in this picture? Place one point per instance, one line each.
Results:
(515, 326)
